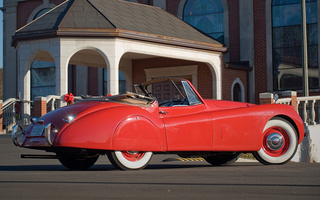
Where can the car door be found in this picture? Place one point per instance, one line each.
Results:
(188, 126)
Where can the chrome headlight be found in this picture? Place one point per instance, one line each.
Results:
(69, 118)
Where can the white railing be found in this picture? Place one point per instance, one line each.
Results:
(308, 108)
(286, 101)
(9, 113)
(12, 113)
(53, 102)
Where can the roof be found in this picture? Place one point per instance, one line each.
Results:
(116, 18)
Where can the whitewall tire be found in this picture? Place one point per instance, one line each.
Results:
(279, 142)
(129, 160)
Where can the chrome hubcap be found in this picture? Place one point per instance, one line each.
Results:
(275, 141)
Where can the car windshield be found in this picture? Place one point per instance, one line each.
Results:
(170, 92)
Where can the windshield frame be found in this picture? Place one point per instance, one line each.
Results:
(189, 93)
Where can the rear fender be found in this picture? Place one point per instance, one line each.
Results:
(93, 131)
(136, 133)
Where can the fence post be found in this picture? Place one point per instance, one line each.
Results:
(266, 98)
(293, 96)
(40, 106)
(1, 117)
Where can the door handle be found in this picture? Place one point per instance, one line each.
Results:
(163, 112)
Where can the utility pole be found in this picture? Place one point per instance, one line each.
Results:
(304, 49)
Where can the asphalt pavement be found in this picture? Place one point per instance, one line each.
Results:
(166, 177)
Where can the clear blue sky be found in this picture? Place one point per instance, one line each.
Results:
(1, 35)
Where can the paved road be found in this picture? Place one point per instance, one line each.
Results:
(47, 179)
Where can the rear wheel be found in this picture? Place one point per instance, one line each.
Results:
(279, 142)
(223, 158)
(77, 163)
(129, 160)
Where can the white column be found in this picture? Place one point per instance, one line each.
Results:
(114, 52)
(113, 76)
(215, 65)
(61, 62)
(24, 80)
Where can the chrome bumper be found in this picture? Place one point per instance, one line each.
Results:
(47, 133)
(17, 132)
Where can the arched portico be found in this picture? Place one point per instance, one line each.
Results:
(111, 43)
(111, 53)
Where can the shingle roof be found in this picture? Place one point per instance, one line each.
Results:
(101, 18)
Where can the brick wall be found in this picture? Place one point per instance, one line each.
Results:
(204, 72)
(40, 106)
(260, 47)
(228, 76)
(234, 30)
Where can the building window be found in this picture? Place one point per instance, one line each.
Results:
(237, 92)
(41, 12)
(43, 78)
(122, 82)
(287, 48)
(207, 16)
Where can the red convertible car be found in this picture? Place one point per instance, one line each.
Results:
(163, 116)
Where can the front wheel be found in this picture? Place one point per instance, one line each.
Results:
(222, 158)
(279, 142)
(129, 160)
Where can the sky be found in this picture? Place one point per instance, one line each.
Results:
(1, 35)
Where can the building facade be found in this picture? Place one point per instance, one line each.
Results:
(262, 38)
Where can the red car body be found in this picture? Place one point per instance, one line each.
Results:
(135, 123)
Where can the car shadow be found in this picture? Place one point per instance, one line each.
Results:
(109, 167)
